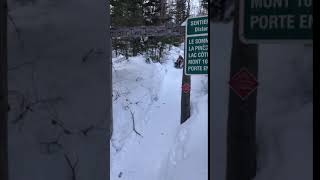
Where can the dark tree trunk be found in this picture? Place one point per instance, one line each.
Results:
(3, 92)
(241, 140)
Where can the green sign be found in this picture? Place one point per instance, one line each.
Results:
(198, 25)
(196, 50)
(276, 20)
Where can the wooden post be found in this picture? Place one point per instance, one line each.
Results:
(3, 92)
(241, 138)
(185, 97)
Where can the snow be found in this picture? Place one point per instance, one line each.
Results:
(284, 116)
(156, 154)
(188, 159)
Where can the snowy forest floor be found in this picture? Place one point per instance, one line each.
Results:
(148, 141)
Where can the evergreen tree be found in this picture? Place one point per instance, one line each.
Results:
(127, 13)
(130, 13)
(181, 11)
(156, 13)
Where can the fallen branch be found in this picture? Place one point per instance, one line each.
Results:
(73, 166)
(133, 124)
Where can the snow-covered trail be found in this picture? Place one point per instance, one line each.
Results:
(143, 156)
(188, 158)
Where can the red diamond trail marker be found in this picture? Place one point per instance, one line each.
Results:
(243, 83)
(186, 88)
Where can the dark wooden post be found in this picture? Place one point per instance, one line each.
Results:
(185, 100)
(185, 97)
(241, 140)
(3, 92)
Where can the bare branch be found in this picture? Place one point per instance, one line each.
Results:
(73, 166)
(133, 124)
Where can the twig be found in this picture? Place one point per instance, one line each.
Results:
(133, 124)
(73, 166)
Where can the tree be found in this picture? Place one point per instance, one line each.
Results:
(158, 13)
(181, 11)
(204, 5)
(127, 13)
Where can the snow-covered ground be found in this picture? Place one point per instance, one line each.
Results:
(161, 149)
(285, 112)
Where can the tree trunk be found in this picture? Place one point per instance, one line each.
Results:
(241, 140)
(3, 92)
(188, 8)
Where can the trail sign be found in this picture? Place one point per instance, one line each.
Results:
(186, 88)
(276, 20)
(196, 50)
(243, 83)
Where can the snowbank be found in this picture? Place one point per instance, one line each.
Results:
(188, 158)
